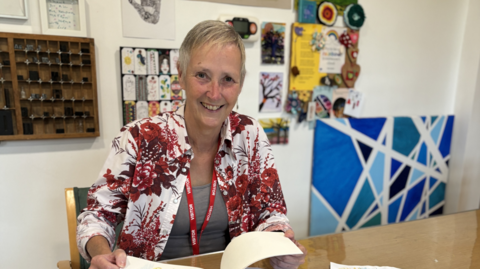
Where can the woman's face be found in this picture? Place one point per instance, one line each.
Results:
(212, 84)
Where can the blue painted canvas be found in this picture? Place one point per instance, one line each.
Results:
(375, 171)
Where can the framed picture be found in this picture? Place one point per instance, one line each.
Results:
(15, 9)
(63, 17)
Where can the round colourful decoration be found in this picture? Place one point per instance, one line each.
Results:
(293, 103)
(318, 41)
(327, 13)
(345, 40)
(354, 17)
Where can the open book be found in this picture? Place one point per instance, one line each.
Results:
(341, 266)
(244, 250)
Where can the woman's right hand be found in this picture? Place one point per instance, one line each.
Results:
(114, 260)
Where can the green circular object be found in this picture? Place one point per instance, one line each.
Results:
(354, 16)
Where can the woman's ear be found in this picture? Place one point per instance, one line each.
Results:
(180, 76)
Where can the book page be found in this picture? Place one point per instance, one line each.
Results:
(137, 263)
(251, 247)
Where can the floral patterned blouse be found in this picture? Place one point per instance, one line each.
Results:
(142, 181)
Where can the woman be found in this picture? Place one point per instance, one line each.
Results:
(154, 163)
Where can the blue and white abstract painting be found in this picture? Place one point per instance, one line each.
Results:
(375, 171)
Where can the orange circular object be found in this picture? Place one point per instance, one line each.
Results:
(327, 13)
(253, 28)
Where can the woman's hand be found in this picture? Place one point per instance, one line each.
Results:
(289, 261)
(102, 256)
(114, 260)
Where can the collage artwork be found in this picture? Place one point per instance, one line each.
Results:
(150, 82)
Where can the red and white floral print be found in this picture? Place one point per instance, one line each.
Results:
(142, 181)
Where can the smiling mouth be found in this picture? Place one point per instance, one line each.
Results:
(211, 107)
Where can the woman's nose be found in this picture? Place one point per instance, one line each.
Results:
(214, 91)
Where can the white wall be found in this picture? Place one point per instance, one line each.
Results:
(409, 53)
(463, 188)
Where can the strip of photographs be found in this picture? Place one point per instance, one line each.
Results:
(149, 82)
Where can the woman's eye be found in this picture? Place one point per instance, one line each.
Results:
(229, 79)
(201, 75)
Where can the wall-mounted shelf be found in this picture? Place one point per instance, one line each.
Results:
(48, 87)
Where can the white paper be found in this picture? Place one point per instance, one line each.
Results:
(165, 106)
(354, 104)
(137, 263)
(142, 109)
(164, 85)
(63, 14)
(341, 266)
(140, 58)
(128, 61)
(129, 92)
(153, 89)
(156, 26)
(312, 106)
(251, 247)
(332, 57)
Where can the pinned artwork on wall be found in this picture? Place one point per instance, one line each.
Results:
(129, 89)
(273, 40)
(276, 129)
(174, 55)
(165, 91)
(270, 92)
(307, 11)
(141, 109)
(323, 98)
(152, 61)
(153, 108)
(324, 55)
(176, 88)
(147, 78)
(153, 88)
(283, 4)
(339, 99)
(307, 41)
(128, 63)
(354, 105)
(154, 19)
(332, 56)
(140, 61)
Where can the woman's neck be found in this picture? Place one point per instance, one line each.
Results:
(201, 139)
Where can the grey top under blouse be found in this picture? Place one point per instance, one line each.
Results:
(215, 237)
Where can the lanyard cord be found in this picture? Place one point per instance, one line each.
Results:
(191, 209)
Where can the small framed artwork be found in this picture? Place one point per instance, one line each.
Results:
(63, 17)
(14, 9)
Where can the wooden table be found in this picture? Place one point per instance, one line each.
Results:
(450, 241)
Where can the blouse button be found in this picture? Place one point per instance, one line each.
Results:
(184, 169)
(175, 200)
(216, 162)
(225, 193)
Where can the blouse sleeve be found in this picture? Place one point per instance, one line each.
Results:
(108, 196)
(269, 192)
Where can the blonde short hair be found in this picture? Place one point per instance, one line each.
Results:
(213, 33)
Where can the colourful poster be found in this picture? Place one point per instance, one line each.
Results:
(332, 56)
(307, 43)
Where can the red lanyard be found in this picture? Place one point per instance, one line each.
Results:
(191, 210)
